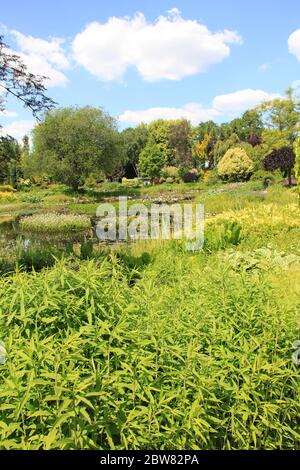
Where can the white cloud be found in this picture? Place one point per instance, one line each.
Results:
(241, 100)
(18, 129)
(43, 57)
(169, 48)
(223, 105)
(191, 111)
(50, 50)
(39, 66)
(294, 43)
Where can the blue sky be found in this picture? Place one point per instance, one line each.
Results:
(194, 58)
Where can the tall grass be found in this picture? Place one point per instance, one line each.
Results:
(194, 354)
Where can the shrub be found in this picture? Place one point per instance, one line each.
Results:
(170, 172)
(170, 180)
(261, 175)
(131, 183)
(235, 165)
(191, 176)
(283, 159)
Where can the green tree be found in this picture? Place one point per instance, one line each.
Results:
(222, 146)
(72, 143)
(297, 162)
(283, 115)
(180, 141)
(9, 160)
(152, 160)
(249, 124)
(158, 133)
(134, 141)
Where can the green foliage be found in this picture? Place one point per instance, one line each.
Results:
(235, 165)
(31, 198)
(96, 361)
(131, 183)
(170, 172)
(179, 135)
(222, 234)
(134, 141)
(248, 125)
(9, 160)
(73, 142)
(283, 115)
(222, 146)
(152, 160)
(297, 163)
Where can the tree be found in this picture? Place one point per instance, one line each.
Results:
(15, 79)
(282, 159)
(297, 160)
(134, 141)
(222, 146)
(9, 160)
(208, 127)
(152, 160)
(282, 114)
(203, 151)
(248, 125)
(180, 142)
(158, 133)
(71, 143)
(254, 140)
(235, 165)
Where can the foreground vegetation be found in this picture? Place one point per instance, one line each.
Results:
(149, 346)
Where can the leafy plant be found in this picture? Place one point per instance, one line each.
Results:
(235, 165)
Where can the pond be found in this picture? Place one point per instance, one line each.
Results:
(13, 238)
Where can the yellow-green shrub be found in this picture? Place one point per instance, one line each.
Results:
(235, 165)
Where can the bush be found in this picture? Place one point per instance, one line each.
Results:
(170, 180)
(261, 175)
(235, 165)
(191, 176)
(131, 183)
(170, 172)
